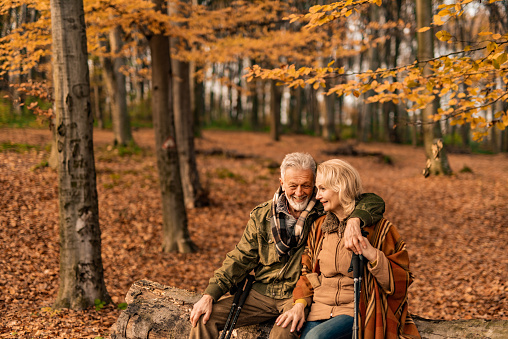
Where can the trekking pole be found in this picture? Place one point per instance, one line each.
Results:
(241, 302)
(357, 263)
(236, 299)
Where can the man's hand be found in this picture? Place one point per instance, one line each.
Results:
(203, 306)
(296, 316)
(353, 239)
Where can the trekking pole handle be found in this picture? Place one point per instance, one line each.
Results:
(355, 262)
(236, 299)
(245, 294)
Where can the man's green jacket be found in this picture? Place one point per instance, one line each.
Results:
(276, 276)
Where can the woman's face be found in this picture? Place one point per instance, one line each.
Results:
(327, 196)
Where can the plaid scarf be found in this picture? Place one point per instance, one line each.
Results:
(287, 237)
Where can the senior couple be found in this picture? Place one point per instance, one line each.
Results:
(299, 247)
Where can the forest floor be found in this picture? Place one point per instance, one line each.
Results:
(453, 226)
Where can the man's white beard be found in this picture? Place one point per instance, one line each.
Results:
(298, 206)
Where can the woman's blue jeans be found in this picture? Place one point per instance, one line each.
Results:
(339, 327)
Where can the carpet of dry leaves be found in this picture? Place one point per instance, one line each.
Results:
(454, 226)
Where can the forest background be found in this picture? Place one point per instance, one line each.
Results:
(352, 79)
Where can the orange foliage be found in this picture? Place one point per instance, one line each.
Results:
(465, 77)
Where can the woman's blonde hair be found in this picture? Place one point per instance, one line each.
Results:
(342, 178)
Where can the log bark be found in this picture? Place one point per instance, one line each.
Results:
(156, 311)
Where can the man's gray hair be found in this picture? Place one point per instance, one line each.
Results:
(298, 160)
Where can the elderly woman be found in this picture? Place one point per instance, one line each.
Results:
(326, 284)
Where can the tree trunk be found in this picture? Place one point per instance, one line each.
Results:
(437, 161)
(97, 105)
(81, 271)
(313, 113)
(175, 233)
(115, 84)
(199, 105)
(296, 110)
(184, 124)
(326, 104)
(156, 311)
(275, 98)
(254, 114)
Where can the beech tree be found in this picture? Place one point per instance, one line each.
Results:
(81, 270)
(194, 194)
(115, 84)
(437, 160)
(175, 232)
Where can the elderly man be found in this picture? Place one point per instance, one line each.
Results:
(271, 246)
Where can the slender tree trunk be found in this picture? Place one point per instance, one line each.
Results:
(437, 160)
(97, 105)
(295, 111)
(327, 110)
(275, 98)
(81, 271)
(115, 84)
(313, 113)
(184, 124)
(199, 105)
(254, 114)
(175, 232)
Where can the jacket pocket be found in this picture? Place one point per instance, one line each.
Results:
(314, 279)
(347, 294)
(268, 253)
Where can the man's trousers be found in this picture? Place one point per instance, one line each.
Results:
(257, 309)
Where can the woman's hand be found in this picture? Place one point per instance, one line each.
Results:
(369, 251)
(295, 316)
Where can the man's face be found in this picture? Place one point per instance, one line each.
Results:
(298, 185)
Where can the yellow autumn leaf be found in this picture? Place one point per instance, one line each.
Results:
(501, 58)
(444, 12)
(437, 20)
(423, 29)
(315, 9)
(443, 35)
(491, 46)
(505, 119)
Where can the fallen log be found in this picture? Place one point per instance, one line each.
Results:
(156, 311)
